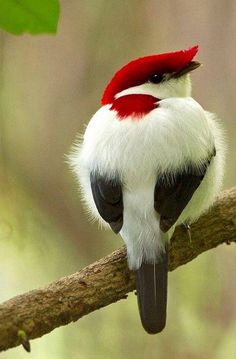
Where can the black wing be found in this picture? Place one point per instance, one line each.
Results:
(107, 195)
(172, 195)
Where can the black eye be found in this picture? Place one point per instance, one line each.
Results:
(155, 78)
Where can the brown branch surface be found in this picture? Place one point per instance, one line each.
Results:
(106, 281)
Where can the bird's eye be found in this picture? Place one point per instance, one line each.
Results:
(156, 78)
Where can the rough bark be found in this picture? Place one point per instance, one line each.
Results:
(108, 280)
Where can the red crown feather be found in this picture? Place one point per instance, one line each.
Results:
(138, 71)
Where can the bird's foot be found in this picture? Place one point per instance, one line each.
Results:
(188, 229)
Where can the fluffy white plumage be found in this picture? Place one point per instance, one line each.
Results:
(177, 132)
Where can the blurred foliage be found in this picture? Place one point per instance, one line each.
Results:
(35, 17)
(49, 88)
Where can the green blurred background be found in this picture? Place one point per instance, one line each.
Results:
(50, 86)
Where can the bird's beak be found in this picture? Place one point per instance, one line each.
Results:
(190, 67)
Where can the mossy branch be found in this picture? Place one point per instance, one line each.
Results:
(106, 281)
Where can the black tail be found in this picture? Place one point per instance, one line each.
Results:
(151, 280)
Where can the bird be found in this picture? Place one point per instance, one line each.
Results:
(151, 158)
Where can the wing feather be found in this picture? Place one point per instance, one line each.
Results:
(107, 194)
(171, 195)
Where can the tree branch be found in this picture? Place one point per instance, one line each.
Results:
(108, 280)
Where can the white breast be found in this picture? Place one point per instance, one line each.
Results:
(138, 151)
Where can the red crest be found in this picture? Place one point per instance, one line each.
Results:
(138, 71)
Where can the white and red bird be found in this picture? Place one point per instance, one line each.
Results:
(151, 158)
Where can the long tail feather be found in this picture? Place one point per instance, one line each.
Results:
(151, 280)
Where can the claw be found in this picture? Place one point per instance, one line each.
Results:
(188, 229)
